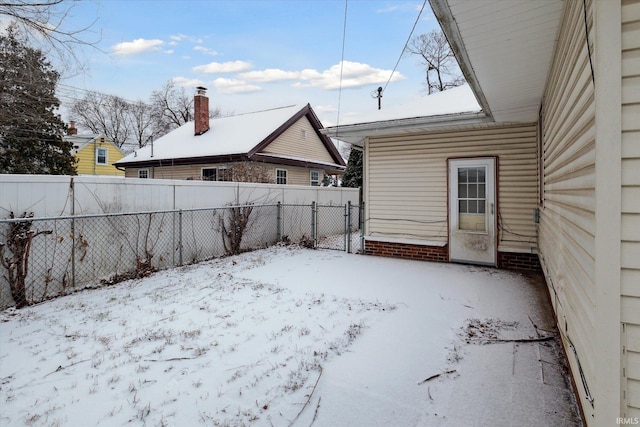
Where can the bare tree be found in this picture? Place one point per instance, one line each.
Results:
(44, 25)
(251, 172)
(104, 114)
(172, 107)
(135, 123)
(442, 70)
(143, 125)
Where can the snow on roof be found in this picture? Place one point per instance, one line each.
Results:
(457, 100)
(227, 135)
(80, 141)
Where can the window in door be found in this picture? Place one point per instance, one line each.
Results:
(472, 199)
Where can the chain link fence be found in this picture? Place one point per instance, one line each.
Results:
(43, 258)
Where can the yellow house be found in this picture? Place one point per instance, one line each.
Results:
(95, 155)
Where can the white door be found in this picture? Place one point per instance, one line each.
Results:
(472, 224)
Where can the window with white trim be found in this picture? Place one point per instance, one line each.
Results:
(143, 173)
(209, 174)
(101, 156)
(314, 178)
(281, 176)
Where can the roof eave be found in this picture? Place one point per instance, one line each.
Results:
(447, 22)
(356, 133)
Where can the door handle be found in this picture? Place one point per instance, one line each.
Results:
(491, 208)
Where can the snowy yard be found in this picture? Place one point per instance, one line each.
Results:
(289, 336)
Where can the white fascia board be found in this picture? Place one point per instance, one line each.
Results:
(356, 133)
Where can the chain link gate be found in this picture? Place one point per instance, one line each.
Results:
(339, 227)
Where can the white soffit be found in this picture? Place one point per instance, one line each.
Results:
(509, 46)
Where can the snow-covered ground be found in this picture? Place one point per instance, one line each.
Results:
(289, 336)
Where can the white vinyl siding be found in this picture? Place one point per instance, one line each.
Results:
(567, 220)
(291, 143)
(630, 226)
(406, 183)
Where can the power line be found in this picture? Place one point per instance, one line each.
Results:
(95, 92)
(344, 37)
(405, 45)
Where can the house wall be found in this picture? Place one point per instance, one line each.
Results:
(295, 175)
(630, 225)
(580, 222)
(406, 186)
(87, 160)
(291, 143)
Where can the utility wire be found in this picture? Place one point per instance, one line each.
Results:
(405, 45)
(344, 37)
(586, 31)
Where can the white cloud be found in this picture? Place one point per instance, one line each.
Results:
(177, 37)
(322, 109)
(137, 46)
(206, 50)
(354, 74)
(169, 51)
(234, 86)
(223, 67)
(270, 75)
(186, 82)
(387, 9)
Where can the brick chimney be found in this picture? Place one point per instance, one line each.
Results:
(72, 130)
(201, 111)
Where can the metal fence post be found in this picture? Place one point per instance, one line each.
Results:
(314, 218)
(73, 232)
(348, 230)
(180, 237)
(361, 223)
(279, 225)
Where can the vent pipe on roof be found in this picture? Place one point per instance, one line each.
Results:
(201, 111)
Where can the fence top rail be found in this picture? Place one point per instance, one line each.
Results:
(103, 215)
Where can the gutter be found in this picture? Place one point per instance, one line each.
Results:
(356, 133)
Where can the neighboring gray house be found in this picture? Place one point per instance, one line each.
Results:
(548, 174)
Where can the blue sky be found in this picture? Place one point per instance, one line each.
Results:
(253, 55)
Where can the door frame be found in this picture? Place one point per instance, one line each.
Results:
(496, 205)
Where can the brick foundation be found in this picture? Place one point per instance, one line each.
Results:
(506, 260)
(518, 261)
(407, 251)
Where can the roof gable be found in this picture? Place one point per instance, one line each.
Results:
(82, 141)
(238, 136)
(267, 145)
